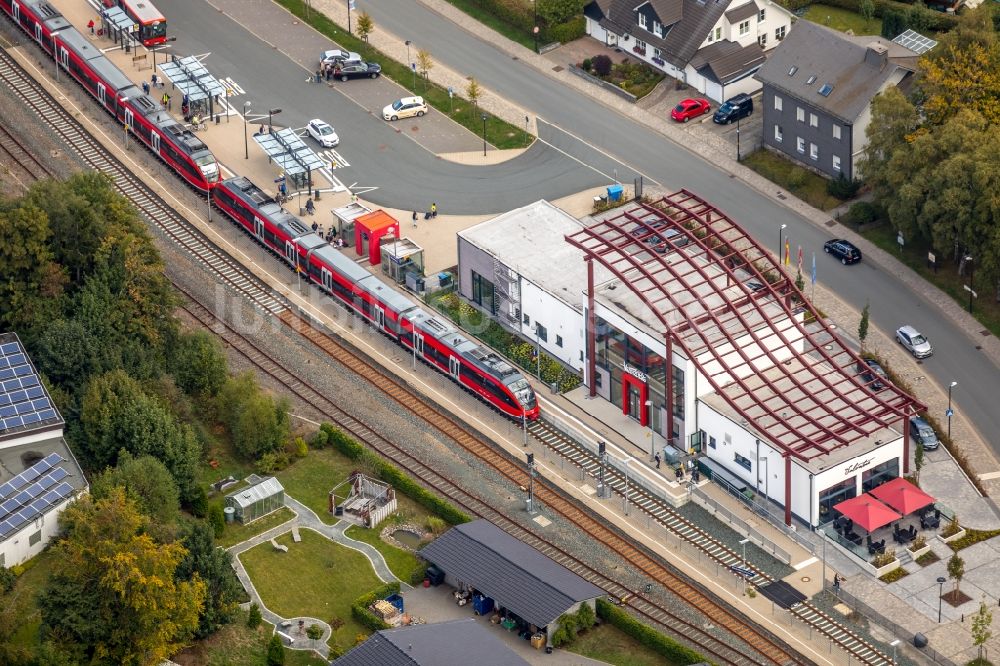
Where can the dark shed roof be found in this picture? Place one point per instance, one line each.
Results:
(514, 574)
(455, 643)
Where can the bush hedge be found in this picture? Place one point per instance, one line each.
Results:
(391, 474)
(654, 640)
(971, 538)
(361, 613)
(568, 31)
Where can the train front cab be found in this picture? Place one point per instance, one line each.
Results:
(39, 19)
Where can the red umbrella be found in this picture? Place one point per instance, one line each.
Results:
(902, 496)
(867, 512)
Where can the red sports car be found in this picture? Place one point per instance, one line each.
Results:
(690, 108)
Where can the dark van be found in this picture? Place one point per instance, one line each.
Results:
(734, 108)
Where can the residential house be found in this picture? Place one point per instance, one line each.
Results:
(715, 46)
(818, 89)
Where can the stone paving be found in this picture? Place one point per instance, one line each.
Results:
(305, 518)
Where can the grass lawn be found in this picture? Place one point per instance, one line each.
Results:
(316, 577)
(610, 644)
(236, 533)
(843, 20)
(801, 182)
(402, 562)
(984, 308)
(25, 595)
(237, 645)
(475, 10)
(311, 479)
(499, 133)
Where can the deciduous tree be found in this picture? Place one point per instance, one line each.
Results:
(198, 363)
(113, 588)
(147, 482)
(425, 63)
(956, 570)
(982, 622)
(212, 566)
(257, 422)
(473, 91)
(365, 26)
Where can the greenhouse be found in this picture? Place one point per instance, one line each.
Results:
(261, 497)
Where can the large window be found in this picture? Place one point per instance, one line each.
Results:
(879, 474)
(835, 494)
(483, 293)
(678, 386)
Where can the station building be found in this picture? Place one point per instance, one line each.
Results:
(690, 327)
(39, 475)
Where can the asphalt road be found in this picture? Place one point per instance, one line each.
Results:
(405, 174)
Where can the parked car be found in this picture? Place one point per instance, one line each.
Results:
(914, 342)
(405, 108)
(356, 69)
(922, 432)
(844, 250)
(733, 109)
(338, 55)
(872, 374)
(690, 108)
(323, 133)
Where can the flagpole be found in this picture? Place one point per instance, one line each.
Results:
(349, 16)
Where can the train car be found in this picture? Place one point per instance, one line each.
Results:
(476, 368)
(152, 24)
(145, 118)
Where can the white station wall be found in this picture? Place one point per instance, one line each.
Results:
(558, 318)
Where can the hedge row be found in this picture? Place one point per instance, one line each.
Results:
(937, 21)
(654, 640)
(394, 476)
(361, 612)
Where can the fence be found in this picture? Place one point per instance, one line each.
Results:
(905, 636)
(739, 525)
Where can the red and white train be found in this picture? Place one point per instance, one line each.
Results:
(477, 369)
(145, 117)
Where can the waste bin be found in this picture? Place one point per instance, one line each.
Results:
(919, 640)
(615, 192)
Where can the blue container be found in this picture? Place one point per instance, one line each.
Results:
(615, 192)
(396, 601)
(482, 605)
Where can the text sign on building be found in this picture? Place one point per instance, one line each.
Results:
(635, 372)
(857, 466)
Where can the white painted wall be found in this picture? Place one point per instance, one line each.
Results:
(16, 548)
(41, 436)
(558, 318)
(860, 463)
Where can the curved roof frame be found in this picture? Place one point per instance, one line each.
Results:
(730, 248)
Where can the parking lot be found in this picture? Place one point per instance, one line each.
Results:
(666, 96)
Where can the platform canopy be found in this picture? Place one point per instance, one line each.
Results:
(192, 78)
(690, 271)
(289, 152)
(867, 512)
(902, 496)
(118, 19)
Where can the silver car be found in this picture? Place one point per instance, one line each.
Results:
(914, 341)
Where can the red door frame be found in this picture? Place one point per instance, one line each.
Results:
(643, 388)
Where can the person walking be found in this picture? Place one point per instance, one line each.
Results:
(311, 209)
(434, 210)
(414, 219)
(657, 458)
(90, 24)
(166, 101)
(836, 582)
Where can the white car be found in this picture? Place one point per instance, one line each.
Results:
(323, 133)
(405, 108)
(329, 57)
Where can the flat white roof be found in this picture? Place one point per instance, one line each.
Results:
(531, 240)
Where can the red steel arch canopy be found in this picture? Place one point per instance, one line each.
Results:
(719, 296)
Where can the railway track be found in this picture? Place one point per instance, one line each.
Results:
(19, 162)
(666, 516)
(760, 648)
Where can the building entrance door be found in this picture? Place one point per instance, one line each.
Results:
(635, 406)
(635, 393)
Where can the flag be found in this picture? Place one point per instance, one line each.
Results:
(814, 270)
(800, 258)
(788, 252)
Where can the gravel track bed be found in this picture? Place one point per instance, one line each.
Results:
(381, 413)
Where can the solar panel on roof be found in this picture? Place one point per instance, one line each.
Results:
(5, 529)
(22, 398)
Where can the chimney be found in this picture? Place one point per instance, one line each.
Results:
(877, 55)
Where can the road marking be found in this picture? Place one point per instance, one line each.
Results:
(538, 119)
(335, 159)
(804, 564)
(989, 476)
(235, 88)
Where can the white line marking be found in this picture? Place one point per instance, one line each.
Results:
(803, 564)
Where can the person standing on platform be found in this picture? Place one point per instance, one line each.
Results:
(90, 24)
(434, 210)
(657, 458)
(414, 219)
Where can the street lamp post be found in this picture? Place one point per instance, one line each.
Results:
(949, 412)
(270, 113)
(246, 144)
(972, 280)
(602, 460)
(534, 30)
(743, 542)
(648, 406)
(940, 582)
(412, 65)
(627, 461)
(894, 644)
(737, 138)
(822, 535)
(531, 482)
(484, 135)
(767, 494)
(781, 232)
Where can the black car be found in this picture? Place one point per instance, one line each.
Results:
(357, 69)
(740, 106)
(843, 250)
(872, 374)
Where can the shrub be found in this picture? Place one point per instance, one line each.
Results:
(654, 640)
(587, 65)
(843, 187)
(314, 632)
(797, 177)
(568, 31)
(585, 617)
(319, 440)
(301, 448)
(434, 525)
(275, 652)
(217, 519)
(7, 579)
(893, 575)
(951, 529)
(254, 617)
(199, 503)
(862, 212)
(602, 65)
(884, 559)
(972, 537)
(272, 462)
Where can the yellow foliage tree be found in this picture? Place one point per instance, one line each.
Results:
(112, 587)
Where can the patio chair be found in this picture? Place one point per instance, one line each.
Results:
(880, 548)
(929, 521)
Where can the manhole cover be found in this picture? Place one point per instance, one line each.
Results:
(781, 196)
(806, 579)
(557, 68)
(984, 333)
(415, 128)
(831, 223)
